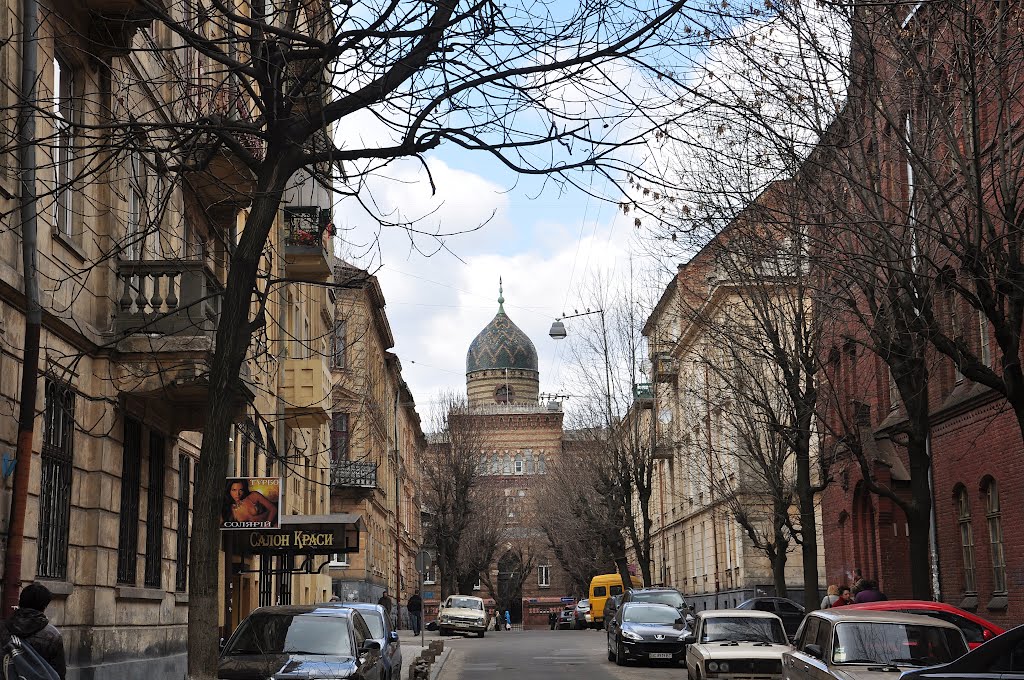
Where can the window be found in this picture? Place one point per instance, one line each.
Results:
(995, 536)
(430, 574)
(478, 585)
(136, 200)
(963, 518)
(519, 464)
(544, 576)
(339, 437)
(810, 633)
(338, 359)
(128, 534)
(184, 503)
(57, 459)
(339, 560)
(155, 512)
(984, 343)
(894, 392)
(64, 144)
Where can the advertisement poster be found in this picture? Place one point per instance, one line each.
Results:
(251, 503)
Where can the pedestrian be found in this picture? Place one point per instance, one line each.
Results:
(870, 593)
(508, 620)
(385, 601)
(497, 620)
(31, 625)
(845, 597)
(415, 608)
(829, 600)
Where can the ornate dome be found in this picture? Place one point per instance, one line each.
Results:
(501, 344)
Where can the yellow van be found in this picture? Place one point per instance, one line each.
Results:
(602, 587)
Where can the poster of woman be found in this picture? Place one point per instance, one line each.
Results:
(250, 503)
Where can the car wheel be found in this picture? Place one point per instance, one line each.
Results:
(611, 652)
(620, 654)
(481, 633)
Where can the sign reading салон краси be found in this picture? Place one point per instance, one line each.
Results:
(301, 534)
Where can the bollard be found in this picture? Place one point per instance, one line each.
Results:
(419, 670)
(428, 656)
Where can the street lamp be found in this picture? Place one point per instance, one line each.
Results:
(558, 332)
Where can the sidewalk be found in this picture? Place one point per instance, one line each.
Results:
(411, 649)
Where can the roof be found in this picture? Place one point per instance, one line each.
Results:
(500, 345)
(841, 614)
(737, 613)
(298, 609)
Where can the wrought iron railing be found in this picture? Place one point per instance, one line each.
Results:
(354, 473)
(307, 227)
(167, 297)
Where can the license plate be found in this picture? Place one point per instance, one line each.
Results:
(660, 655)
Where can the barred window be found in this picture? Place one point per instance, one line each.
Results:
(128, 534)
(184, 503)
(963, 518)
(55, 480)
(995, 536)
(155, 511)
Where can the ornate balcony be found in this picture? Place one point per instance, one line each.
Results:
(666, 368)
(305, 390)
(166, 317)
(308, 232)
(354, 475)
(643, 395)
(306, 83)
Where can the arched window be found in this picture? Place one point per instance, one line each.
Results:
(482, 468)
(990, 492)
(963, 519)
(519, 463)
(506, 467)
(541, 467)
(496, 464)
(504, 394)
(530, 467)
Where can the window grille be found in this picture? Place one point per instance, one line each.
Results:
(184, 503)
(155, 511)
(266, 580)
(284, 591)
(57, 463)
(128, 535)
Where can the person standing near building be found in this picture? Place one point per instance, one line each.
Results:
(830, 599)
(31, 625)
(415, 608)
(508, 620)
(385, 601)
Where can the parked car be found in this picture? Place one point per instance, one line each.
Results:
(1001, 657)
(646, 632)
(611, 605)
(566, 618)
(864, 645)
(583, 619)
(462, 614)
(669, 596)
(728, 643)
(791, 613)
(976, 629)
(306, 640)
(602, 587)
(379, 623)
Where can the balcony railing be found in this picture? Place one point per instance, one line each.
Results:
(167, 297)
(354, 473)
(307, 239)
(643, 395)
(666, 368)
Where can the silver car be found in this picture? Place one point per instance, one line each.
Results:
(869, 645)
(379, 623)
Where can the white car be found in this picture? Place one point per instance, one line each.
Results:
(462, 614)
(734, 643)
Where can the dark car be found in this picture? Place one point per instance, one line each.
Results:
(669, 596)
(791, 613)
(566, 618)
(302, 641)
(646, 632)
(611, 605)
(379, 623)
(1000, 657)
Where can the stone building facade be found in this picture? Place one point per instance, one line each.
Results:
(376, 441)
(132, 264)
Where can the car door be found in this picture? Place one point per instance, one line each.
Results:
(1010, 664)
(392, 649)
(806, 660)
(370, 666)
(790, 614)
(613, 625)
(691, 649)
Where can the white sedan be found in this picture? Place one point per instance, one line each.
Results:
(729, 644)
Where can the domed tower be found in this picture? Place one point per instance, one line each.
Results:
(501, 364)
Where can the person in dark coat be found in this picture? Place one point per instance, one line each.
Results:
(870, 593)
(415, 609)
(31, 625)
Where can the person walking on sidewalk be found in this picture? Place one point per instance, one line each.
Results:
(31, 625)
(508, 620)
(415, 608)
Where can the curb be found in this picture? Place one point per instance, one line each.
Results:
(438, 665)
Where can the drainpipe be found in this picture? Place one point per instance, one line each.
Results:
(933, 530)
(33, 310)
(398, 522)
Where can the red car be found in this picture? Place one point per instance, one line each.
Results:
(976, 629)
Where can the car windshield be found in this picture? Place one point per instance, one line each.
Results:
(291, 634)
(374, 621)
(465, 603)
(649, 613)
(896, 643)
(668, 597)
(743, 629)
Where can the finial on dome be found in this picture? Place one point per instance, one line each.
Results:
(501, 297)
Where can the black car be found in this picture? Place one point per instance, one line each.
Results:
(791, 613)
(1000, 657)
(305, 641)
(646, 632)
(669, 596)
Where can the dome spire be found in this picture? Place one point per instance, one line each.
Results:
(501, 298)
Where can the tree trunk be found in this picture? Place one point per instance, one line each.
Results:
(232, 342)
(808, 524)
(779, 559)
(919, 519)
(781, 553)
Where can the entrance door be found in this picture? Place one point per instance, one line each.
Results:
(510, 587)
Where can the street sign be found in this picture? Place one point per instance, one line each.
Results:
(568, 600)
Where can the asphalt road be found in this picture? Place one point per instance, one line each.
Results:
(541, 655)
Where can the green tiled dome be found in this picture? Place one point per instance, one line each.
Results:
(501, 344)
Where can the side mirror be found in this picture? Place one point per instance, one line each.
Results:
(221, 644)
(393, 636)
(690, 640)
(369, 646)
(792, 640)
(815, 651)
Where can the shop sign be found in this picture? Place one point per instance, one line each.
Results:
(251, 503)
